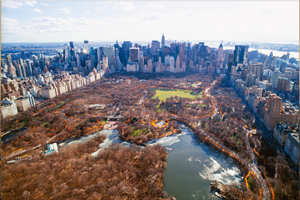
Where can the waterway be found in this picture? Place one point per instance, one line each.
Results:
(191, 165)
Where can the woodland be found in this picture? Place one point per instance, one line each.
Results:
(131, 172)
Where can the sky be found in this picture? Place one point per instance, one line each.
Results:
(63, 21)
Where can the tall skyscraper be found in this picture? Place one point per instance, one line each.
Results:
(22, 67)
(28, 67)
(72, 51)
(8, 59)
(273, 63)
(22, 54)
(86, 47)
(66, 48)
(98, 55)
(241, 54)
(154, 46)
(163, 40)
(230, 64)
(142, 62)
(109, 52)
(134, 54)
(282, 84)
(220, 53)
(127, 45)
(282, 67)
(105, 63)
(274, 77)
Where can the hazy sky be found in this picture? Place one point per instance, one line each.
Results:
(63, 21)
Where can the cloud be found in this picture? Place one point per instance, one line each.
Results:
(88, 11)
(37, 10)
(9, 26)
(97, 8)
(65, 9)
(16, 4)
(30, 3)
(155, 6)
(67, 25)
(123, 6)
(44, 4)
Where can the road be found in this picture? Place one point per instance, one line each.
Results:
(252, 167)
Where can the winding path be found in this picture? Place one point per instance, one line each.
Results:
(252, 167)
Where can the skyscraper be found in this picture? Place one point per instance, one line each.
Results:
(241, 54)
(109, 52)
(154, 46)
(220, 53)
(230, 64)
(8, 59)
(66, 48)
(163, 40)
(22, 54)
(28, 67)
(282, 84)
(98, 55)
(105, 63)
(282, 67)
(86, 47)
(134, 54)
(274, 77)
(72, 51)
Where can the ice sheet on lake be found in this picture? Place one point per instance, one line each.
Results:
(197, 159)
(214, 172)
(167, 141)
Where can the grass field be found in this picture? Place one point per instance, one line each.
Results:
(164, 94)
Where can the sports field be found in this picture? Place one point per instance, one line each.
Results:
(164, 94)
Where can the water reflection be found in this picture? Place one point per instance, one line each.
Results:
(193, 165)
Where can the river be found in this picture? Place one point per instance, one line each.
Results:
(191, 165)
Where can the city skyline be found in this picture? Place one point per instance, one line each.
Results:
(57, 21)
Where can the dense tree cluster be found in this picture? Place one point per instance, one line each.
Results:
(132, 173)
(116, 173)
(284, 180)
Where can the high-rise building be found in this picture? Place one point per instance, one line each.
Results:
(134, 54)
(109, 52)
(258, 70)
(72, 51)
(66, 50)
(274, 77)
(22, 54)
(274, 105)
(273, 63)
(154, 46)
(295, 90)
(163, 40)
(87, 47)
(105, 63)
(99, 56)
(78, 60)
(142, 62)
(22, 67)
(282, 67)
(127, 45)
(220, 53)
(241, 54)
(8, 59)
(18, 69)
(282, 84)
(230, 64)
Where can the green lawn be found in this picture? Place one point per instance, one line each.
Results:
(164, 94)
(141, 131)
